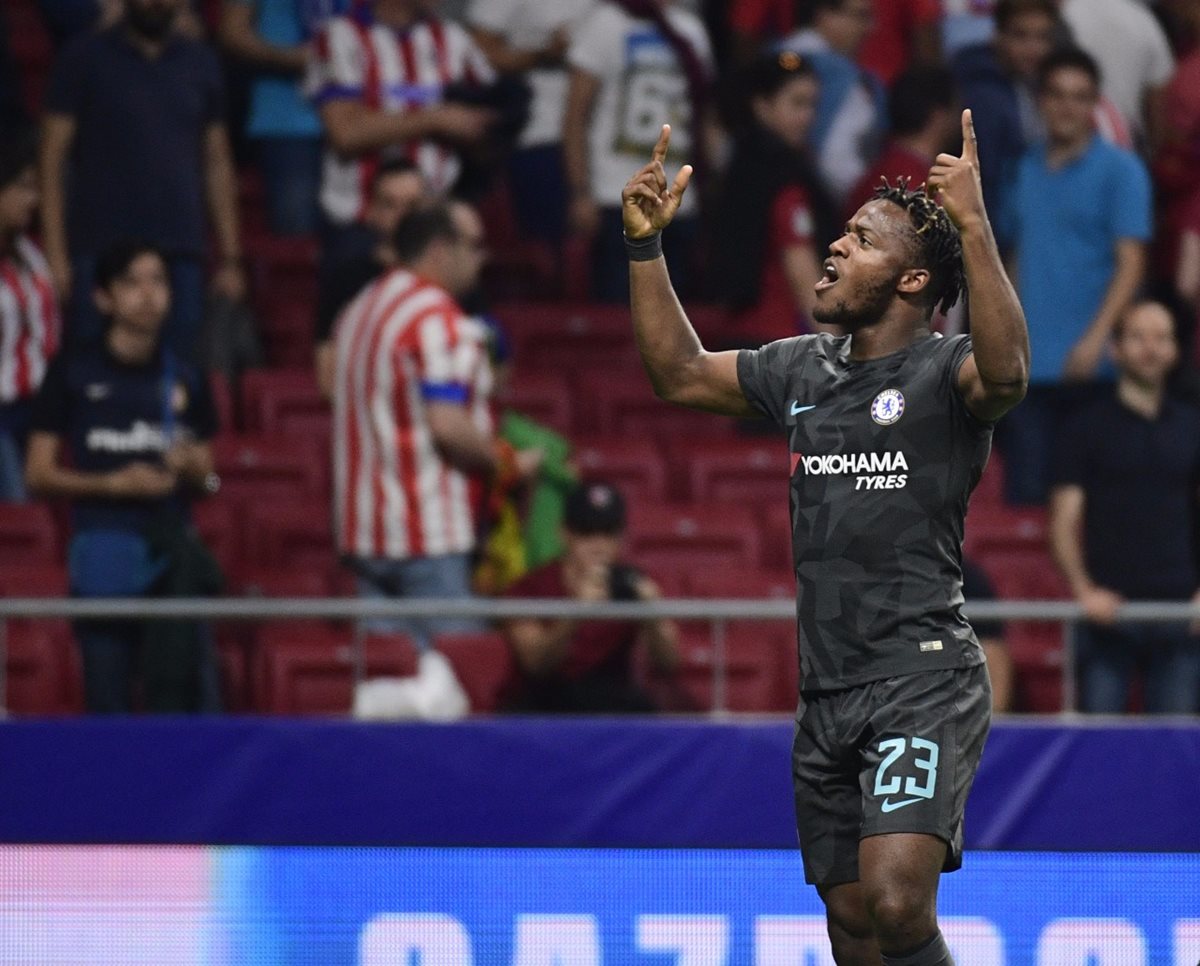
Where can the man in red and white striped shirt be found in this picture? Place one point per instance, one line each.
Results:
(411, 421)
(378, 77)
(29, 317)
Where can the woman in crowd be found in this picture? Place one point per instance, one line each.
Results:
(773, 219)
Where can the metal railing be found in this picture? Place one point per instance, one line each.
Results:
(718, 613)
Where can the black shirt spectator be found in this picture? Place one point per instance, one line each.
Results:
(122, 431)
(1140, 476)
(110, 413)
(135, 168)
(134, 146)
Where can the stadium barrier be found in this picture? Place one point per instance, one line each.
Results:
(718, 613)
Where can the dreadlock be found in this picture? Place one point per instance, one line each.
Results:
(939, 246)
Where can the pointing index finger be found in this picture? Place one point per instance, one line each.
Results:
(660, 149)
(970, 149)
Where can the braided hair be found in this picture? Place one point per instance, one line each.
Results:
(939, 247)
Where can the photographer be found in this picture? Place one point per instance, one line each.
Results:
(587, 666)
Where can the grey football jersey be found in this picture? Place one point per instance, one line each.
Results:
(884, 456)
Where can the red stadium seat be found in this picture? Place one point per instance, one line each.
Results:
(28, 534)
(265, 468)
(282, 582)
(757, 676)
(33, 580)
(560, 338)
(635, 466)
(284, 401)
(664, 537)
(483, 665)
(1036, 647)
(308, 668)
(750, 584)
(738, 471)
(626, 406)
(216, 521)
(533, 320)
(42, 674)
(543, 397)
(292, 535)
(776, 529)
(992, 527)
(990, 489)
(222, 396)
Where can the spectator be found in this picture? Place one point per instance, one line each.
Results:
(272, 37)
(379, 77)
(121, 428)
(134, 145)
(587, 666)
(1078, 221)
(850, 111)
(29, 320)
(773, 218)
(905, 33)
(923, 119)
(531, 38)
(411, 420)
(395, 191)
(998, 80)
(1122, 524)
(633, 65)
(978, 587)
(1134, 57)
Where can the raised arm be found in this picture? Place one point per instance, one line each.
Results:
(995, 376)
(680, 368)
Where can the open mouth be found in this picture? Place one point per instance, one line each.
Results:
(829, 276)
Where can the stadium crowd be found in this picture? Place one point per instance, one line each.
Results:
(323, 297)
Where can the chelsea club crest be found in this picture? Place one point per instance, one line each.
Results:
(888, 407)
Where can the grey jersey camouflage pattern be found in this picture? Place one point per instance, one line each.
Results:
(885, 454)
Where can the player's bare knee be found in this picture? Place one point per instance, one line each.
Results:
(901, 917)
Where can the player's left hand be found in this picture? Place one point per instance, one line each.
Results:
(954, 182)
(648, 204)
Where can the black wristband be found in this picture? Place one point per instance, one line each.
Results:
(644, 249)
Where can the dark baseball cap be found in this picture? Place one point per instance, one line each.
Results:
(594, 507)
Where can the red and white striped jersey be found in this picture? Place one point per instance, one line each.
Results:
(401, 344)
(30, 324)
(392, 70)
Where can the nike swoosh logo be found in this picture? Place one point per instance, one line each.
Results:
(892, 806)
(797, 409)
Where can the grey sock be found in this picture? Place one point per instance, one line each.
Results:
(935, 952)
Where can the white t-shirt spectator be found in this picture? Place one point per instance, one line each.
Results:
(642, 86)
(395, 71)
(531, 25)
(1130, 47)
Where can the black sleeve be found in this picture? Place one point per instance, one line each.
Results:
(201, 413)
(51, 411)
(978, 586)
(765, 375)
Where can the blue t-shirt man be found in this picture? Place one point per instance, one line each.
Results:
(1063, 225)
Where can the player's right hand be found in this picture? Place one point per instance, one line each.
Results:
(647, 204)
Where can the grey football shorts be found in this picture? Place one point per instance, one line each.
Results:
(896, 755)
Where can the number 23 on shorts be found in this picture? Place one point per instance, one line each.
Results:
(889, 779)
